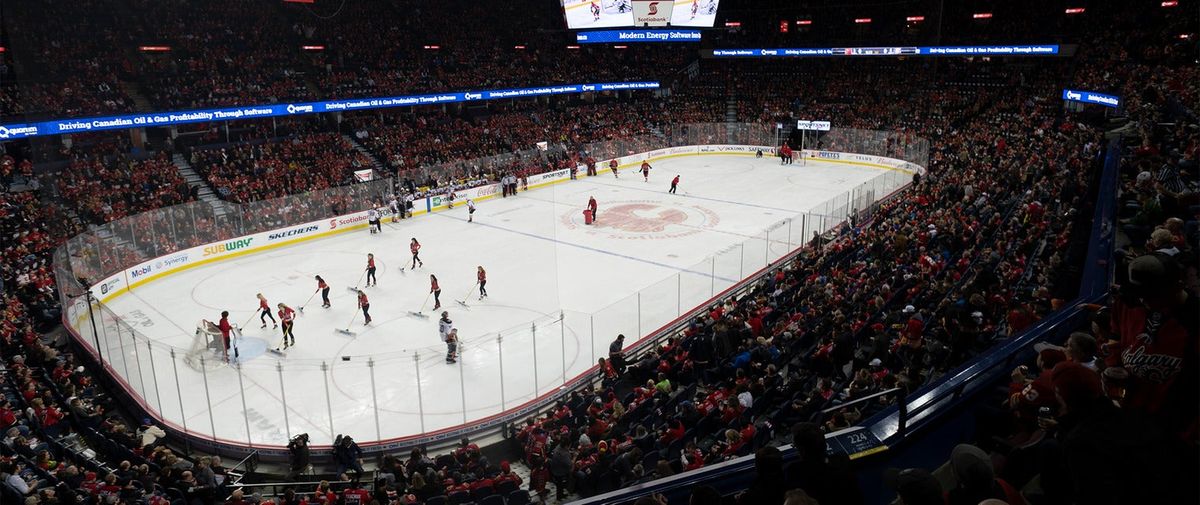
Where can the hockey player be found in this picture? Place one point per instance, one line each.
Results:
(452, 346)
(415, 247)
(595, 11)
(674, 184)
(695, 8)
(265, 311)
(436, 290)
(593, 207)
(481, 277)
(646, 171)
(288, 317)
(591, 165)
(365, 305)
(225, 328)
(470, 210)
(323, 287)
(612, 165)
(444, 325)
(373, 221)
(450, 199)
(371, 280)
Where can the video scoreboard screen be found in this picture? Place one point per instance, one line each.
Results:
(588, 14)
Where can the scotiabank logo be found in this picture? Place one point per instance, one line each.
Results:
(653, 8)
(293, 232)
(232, 245)
(334, 223)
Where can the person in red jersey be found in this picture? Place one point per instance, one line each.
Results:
(264, 311)
(288, 317)
(481, 277)
(415, 248)
(226, 328)
(612, 165)
(591, 165)
(365, 305)
(371, 280)
(646, 171)
(1155, 325)
(436, 290)
(323, 287)
(674, 184)
(594, 207)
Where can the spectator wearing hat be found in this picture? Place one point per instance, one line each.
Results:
(1156, 326)
(975, 479)
(828, 479)
(1104, 454)
(914, 486)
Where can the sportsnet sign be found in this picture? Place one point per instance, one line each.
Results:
(1071, 95)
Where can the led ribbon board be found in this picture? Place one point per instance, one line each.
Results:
(815, 52)
(627, 36)
(1071, 95)
(150, 119)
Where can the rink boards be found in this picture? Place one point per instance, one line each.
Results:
(266, 435)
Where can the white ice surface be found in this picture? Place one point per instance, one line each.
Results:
(649, 256)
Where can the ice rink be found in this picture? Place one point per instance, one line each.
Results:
(560, 291)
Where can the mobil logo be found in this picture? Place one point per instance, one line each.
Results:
(653, 8)
(140, 271)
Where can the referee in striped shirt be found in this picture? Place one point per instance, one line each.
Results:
(1168, 176)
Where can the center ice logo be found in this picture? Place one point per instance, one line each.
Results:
(645, 220)
(641, 218)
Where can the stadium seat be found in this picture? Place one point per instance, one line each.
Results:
(436, 500)
(492, 500)
(518, 497)
(505, 488)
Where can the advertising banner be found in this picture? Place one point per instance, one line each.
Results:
(150, 119)
(1071, 95)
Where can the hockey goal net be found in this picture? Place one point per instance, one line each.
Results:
(616, 6)
(207, 350)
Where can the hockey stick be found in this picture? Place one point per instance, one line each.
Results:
(463, 302)
(310, 297)
(347, 330)
(360, 279)
(421, 313)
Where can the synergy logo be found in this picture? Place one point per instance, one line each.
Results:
(293, 232)
(177, 259)
(232, 245)
(299, 109)
(334, 223)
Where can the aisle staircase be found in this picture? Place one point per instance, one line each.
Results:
(731, 109)
(381, 169)
(205, 192)
(140, 102)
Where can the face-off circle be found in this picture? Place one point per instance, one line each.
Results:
(645, 220)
